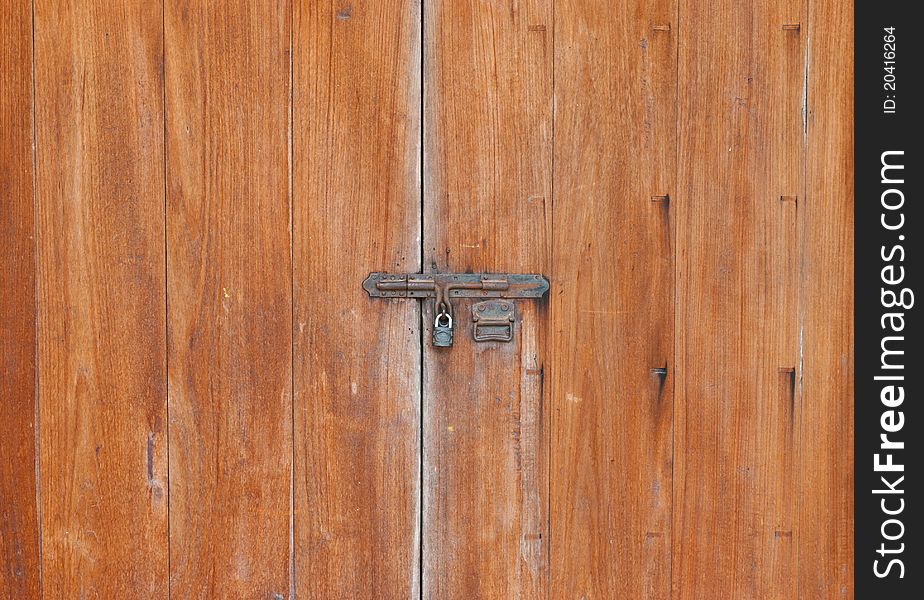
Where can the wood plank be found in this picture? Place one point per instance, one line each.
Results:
(612, 312)
(101, 323)
(356, 209)
(826, 545)
(229, 298)
(19, 527)
(487, 207)
(738, 407)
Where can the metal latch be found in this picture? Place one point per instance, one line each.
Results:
(491, 320)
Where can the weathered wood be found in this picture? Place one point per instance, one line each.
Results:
(19, 530)
(487, 207)
(612, 298)
(641, 437)
(738, 210)
(356, 209)
(826, 546)
(101, 324)
(229, 298)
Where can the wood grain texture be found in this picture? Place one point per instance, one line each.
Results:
(101, 324)
(487, 207)
(612, 299)
(356, 209)
(213, 180)
(738, 405)
(229, 298)
(19, 526)
(826, 547)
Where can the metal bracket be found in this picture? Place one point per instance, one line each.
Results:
(444, 286)
(492, 320)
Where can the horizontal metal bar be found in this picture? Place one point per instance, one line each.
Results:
(456, 285)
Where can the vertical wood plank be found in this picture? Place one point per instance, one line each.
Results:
(741, 81)
(826, 547)
(356, 209)
(612, 312)
(487, 207)
(229, 297)
(101, 324)
(19, 528)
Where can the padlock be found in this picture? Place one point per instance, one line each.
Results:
(442, 330)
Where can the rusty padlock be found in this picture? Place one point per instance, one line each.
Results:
(442, 330)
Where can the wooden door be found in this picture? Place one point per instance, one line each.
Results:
(199, 400)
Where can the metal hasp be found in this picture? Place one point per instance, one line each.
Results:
(493, 322)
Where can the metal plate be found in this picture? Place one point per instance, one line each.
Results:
(493, 320)
(457, 285)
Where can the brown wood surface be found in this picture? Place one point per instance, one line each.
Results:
(356, 209)
(19, 529)
(212, 182)
(612, 299)
(738, 405)
(229, 298)
(101, 324)
(826, 547)
(487, 207)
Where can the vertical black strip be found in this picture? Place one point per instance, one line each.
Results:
(420, 310)
(888, 265)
